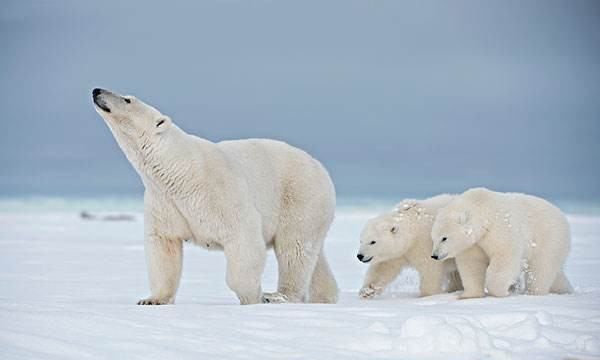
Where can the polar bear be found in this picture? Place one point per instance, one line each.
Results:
(402, 238)
(494, 236)
(241, 197)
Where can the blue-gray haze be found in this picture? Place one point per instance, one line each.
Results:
(394, 97)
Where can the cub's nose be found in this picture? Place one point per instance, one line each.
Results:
(360, 257)
(434, 257)
(96, 92)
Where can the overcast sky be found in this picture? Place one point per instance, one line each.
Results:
(393, 97)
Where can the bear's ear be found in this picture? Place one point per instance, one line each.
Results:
(405, 205)
(464, 217)
(162, 123)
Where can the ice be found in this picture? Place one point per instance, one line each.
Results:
(68, 288)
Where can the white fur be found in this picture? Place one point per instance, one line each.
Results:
(494, 236)
(241, 197)
(403, 238)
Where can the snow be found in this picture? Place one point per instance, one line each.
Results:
(68, 288)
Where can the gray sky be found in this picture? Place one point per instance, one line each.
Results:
(393, 97)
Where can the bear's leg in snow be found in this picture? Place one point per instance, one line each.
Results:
(543, 276)
(246, 257)
(503, 272)
(549, 248)
(164, 259)
(323, 287)
(379, 276)
(561, 284)
(472, 265)
(296, 261)
(454, 282)
(431, 279)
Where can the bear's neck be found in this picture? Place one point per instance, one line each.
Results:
(164, 164)
(159, 160)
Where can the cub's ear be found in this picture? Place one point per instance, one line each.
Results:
(406, 205)
(162, 123)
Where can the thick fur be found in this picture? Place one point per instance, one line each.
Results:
(241, 197)
(494, 236)
(402, 238)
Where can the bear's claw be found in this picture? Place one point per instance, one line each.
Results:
(369, 292)
(274, 298)
(151, 301)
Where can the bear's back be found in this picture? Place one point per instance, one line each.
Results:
(280, 176)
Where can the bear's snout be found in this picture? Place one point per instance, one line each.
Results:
(437, 256)
(98, 99)
(96, 92)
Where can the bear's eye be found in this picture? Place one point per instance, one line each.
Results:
(372, 242)
(394, 230)
(444, 239)
(127, 100)
(160, 123)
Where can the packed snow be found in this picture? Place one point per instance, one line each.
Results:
(69, 284)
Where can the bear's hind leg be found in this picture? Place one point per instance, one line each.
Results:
(561, 284)
(296, 260)
(544, 272)
(323, 287)
(540, 277)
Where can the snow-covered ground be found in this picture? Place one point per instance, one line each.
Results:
(68, 289)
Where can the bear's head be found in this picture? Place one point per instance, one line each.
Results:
(456, 228)
(392, 234)
(132, 122)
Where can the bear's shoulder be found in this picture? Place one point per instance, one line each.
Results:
(439, 201)
(481, 196)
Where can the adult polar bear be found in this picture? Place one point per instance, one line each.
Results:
(241, 197)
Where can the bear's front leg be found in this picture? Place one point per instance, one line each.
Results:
(502, 273)
(246, 259)
(432, 278)
(472, 265)
(454, 282)
(379, 276)
(164, 258)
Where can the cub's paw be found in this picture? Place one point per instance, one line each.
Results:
(153, 301)
(369, 292)
(275, 298)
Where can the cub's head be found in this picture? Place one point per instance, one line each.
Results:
(129, 117)
(456, 228)
(390, 235)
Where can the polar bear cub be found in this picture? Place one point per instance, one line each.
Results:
(402, 238)
(241, 197)
(494, 236)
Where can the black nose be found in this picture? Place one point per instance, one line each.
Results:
(96, 92)
(434, 257)
(360, 257)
